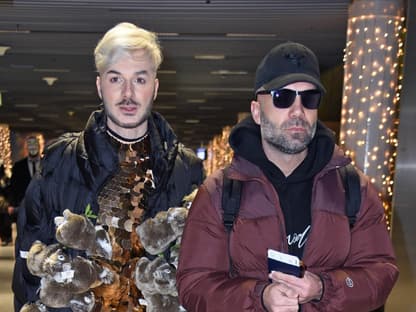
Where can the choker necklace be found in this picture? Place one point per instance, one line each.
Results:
(118, 138)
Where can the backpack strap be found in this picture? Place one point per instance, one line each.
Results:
(351, 181)
(231, 194)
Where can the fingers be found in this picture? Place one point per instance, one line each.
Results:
(308, 287)
(287, 291)
(280, 297)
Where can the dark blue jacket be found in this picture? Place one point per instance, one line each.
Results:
(76, 167)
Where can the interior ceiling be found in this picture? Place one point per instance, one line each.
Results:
(198, 97)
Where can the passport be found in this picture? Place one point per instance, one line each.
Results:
(285, 263)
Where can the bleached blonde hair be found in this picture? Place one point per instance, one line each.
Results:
(126, 38)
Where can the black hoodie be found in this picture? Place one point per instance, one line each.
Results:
(294, 191)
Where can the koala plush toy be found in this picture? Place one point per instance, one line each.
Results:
(65, 282)
(156, 234)
(156, 279)
(34, 307)
(77, 232)
(157, 283)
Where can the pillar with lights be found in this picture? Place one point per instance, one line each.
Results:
(371, 94)
(5, 149)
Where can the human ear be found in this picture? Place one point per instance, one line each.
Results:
(98, 85)
(255, 111)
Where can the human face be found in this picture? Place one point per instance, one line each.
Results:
(32, 147)
(128, 88)
(288, 130)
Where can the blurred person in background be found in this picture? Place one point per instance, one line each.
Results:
(13, 189)
(22, 173)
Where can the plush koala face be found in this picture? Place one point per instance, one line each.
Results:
(37, 255)
(164, 277)
(165, 303)
(75, 231)
(176, 218)
(156, 233)
(56, 262)
(155, 277)
(83, 302)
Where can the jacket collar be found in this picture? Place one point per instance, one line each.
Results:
(94, 146)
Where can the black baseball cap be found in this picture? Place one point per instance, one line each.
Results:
(287, 63)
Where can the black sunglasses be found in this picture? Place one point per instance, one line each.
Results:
(284, 98)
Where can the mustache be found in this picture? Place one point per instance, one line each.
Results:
(127, 102)
(296, 122)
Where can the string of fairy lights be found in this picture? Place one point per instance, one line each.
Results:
(5, 148)
(372, 83)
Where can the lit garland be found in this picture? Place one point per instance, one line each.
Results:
(219, 152)
(372, 84)
(5, 149)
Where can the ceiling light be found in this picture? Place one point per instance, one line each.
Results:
(26, 119)
(54, 70)
(166, 93)
(167, 34)
(21, 66)
(15, 31)
(192, 121)
(50, 80)
(214, 57)
(3, 50)
(250, 35)
(23, 105)
(196, 101)
(225, 72)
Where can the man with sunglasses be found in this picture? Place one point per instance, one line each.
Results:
(293, 201)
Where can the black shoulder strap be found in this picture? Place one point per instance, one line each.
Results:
(231, 193)
(351, 181)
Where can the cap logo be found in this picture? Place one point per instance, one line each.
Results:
(296, 59)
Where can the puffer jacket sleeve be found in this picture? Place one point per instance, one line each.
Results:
(35, 222)
(370, 271)
(203, 277)
(31, 226)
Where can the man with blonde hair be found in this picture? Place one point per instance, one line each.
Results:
(126, 163)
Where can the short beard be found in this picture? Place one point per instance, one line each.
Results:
(287, 143)
(130, 125)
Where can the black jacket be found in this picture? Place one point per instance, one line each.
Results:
(19, 181)
(75, 168)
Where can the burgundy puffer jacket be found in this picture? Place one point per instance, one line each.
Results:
(357, 266)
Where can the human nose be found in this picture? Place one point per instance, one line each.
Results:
(128, 89)
(297, 107)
